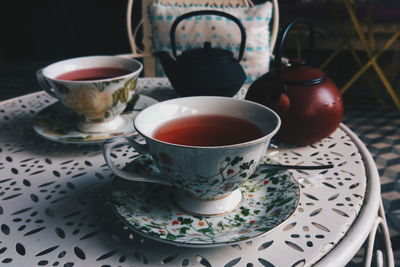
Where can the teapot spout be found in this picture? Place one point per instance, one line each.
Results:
(167, 62)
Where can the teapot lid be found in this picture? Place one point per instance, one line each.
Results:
(206, 53)
(299, 73)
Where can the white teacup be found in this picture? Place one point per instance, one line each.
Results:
(96, 88)
(206, 178)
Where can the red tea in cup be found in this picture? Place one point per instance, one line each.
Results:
(207, 130)
(93, 74)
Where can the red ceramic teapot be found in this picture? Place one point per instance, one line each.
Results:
(308, 102)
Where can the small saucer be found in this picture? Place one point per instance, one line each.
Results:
(270, 197)
(57, 123)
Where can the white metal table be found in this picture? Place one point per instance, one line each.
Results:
(55, 211)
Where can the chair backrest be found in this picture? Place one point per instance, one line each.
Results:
(146, 52)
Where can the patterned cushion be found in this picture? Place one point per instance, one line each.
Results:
(222, 32)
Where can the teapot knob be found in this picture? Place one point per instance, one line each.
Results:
(207, 45)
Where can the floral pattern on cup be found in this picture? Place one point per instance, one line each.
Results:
(230, 175)
(270, 196)
(98, 101)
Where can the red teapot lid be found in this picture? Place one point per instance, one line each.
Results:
(299, 73)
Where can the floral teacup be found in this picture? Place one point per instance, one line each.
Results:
(206, 178)
(96, 88)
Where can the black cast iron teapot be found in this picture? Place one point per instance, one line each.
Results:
(207, 70)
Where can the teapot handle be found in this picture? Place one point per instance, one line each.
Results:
(208, 12)
(279, 47)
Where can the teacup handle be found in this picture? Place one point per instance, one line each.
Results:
(109, 144)
(44, 84)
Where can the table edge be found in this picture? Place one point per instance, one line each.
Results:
(348, 246)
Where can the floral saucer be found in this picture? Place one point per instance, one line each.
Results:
(270, 196)
(57, 123)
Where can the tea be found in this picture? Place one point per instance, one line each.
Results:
(93, 74)
(207, 130)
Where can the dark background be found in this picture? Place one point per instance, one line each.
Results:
(55, 29)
